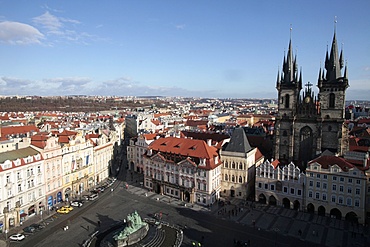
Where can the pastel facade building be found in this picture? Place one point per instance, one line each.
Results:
(187, 169)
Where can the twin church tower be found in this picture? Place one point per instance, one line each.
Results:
(307, 125)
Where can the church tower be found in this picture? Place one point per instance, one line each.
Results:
(305, 125)
(289, 85)
(332, 90)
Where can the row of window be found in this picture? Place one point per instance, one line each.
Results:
(233, 178)
(293, 191)
(233, 165)
(335, 178)
(334, 187)
(335, 199)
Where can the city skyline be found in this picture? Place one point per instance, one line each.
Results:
(212, 49)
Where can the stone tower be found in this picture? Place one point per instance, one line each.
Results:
(306, 125)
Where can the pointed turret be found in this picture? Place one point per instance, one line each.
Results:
(341, 59)
(345, 72)
(332, 65)
(290, 66)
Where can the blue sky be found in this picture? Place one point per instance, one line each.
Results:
(175, 48)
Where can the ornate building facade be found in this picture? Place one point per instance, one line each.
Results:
(187, 169)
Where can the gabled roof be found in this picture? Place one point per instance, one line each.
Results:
(39, 140)
(194, 149)
(326, 161)
(238, 142)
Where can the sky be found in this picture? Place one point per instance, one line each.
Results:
(205, 48)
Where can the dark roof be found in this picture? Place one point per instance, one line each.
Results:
(18, 154)
(238, 142)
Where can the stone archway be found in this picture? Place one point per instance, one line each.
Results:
(262, 199)
(321, 211)
(296, 205)
(336, 213)
(286, 203)
(272, 201)
(310, 208)
(352, 217)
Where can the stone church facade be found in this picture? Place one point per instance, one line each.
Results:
(307, 125)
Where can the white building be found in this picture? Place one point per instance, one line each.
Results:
(337, 188)
(280, 186)
(136, 150)
(22, 186)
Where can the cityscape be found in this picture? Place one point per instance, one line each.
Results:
(147, 139)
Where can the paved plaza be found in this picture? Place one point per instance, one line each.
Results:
(310, 228)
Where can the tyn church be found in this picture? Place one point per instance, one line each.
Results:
(307, 125)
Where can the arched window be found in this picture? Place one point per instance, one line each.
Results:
(226, 177)
(306, 132)
(241, 166)
(240, 179)
(287, 101)
(233, 179)
(233, 165)
(226, 164)
(285, 133)
(331, 100)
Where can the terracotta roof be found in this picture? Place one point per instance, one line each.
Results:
(150, 136)
(186, 147)
(39, 140)
(14, 130)
(327, 161)
(196, 123)
(258, 155)
(156, 122)
(275, 163)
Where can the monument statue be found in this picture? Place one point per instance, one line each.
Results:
(134, 231)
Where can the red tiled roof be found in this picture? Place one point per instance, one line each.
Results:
(186, 147)
(39, 140)
(327, 161)
(14, 130)
(150, 136)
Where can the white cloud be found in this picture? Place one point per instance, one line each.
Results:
(49, 22)
(62, 28)
(180, 26)
(19, 33)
